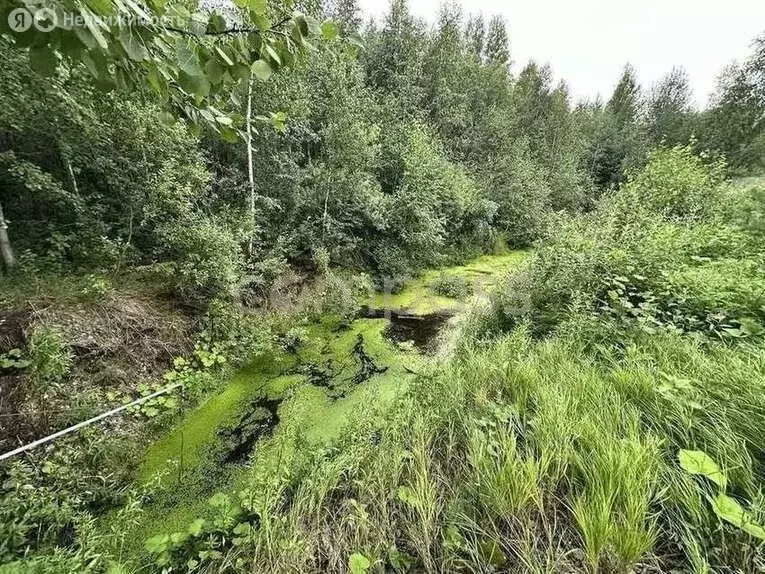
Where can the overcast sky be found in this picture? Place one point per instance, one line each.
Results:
(587, 42)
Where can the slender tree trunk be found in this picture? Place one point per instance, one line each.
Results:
(6, 252)
(250, 174)
(324, 217)
(72, 179)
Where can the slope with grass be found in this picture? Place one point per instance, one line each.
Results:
(288, 404)
(602, 412)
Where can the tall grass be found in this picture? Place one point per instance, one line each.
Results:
(535, 456)
(547, 440)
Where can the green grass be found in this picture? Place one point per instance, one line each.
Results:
(539, 455)
(515, 453)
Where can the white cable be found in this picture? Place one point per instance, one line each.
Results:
(78, 426)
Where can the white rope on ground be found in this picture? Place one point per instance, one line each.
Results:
(95, 419)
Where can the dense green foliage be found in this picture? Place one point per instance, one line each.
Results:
(209, 204)
(417, 149)
(628, 436)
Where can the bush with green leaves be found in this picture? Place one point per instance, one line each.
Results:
(331, 298)
(204, 542)
(50, 358)
(451, 286)
(661, 253)
(204, 260)
(48, 503)
(675, 183)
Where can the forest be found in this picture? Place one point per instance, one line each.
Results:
(365, 299)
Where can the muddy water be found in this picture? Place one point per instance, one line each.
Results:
(402, 327)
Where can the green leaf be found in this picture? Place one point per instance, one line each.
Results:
(700, 463)
(329, 30)
(156, 80)
(43, 60)
(301, 25)
(272, 53)
(492, 553)
(84, 36)
(400, 561)
(214, 71)
(358, 563)
(239, 71)
(157, 544)
(167, 119)
(279, 121)
(222, 53)
(188, 61)
(229, 135)
(197, 527)
(196, 85)
(138, 10)
(258, 6)
(261, 21)
(314, 29)
(355, 40)
(731, 511)
(157, 5)
(178, 538)
(94, 23)
(261, 70)
(133, 45)
(220, 500)
(103, 7)
(406, 494)
(216, 23)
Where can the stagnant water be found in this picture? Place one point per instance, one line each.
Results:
(240, 439)
(422, 330)
(261, 416)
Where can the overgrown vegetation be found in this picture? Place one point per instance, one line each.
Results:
(188, 219)
(451, 286)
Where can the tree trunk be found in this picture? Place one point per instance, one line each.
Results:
(6, 252)
(72, 179)
(249, 168)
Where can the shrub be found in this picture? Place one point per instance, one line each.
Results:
(205, 260)
(662, 253)
(675, 183)
(451, 286)
(321, 260)
(237, 334)
(332, 298)
(49, 356)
